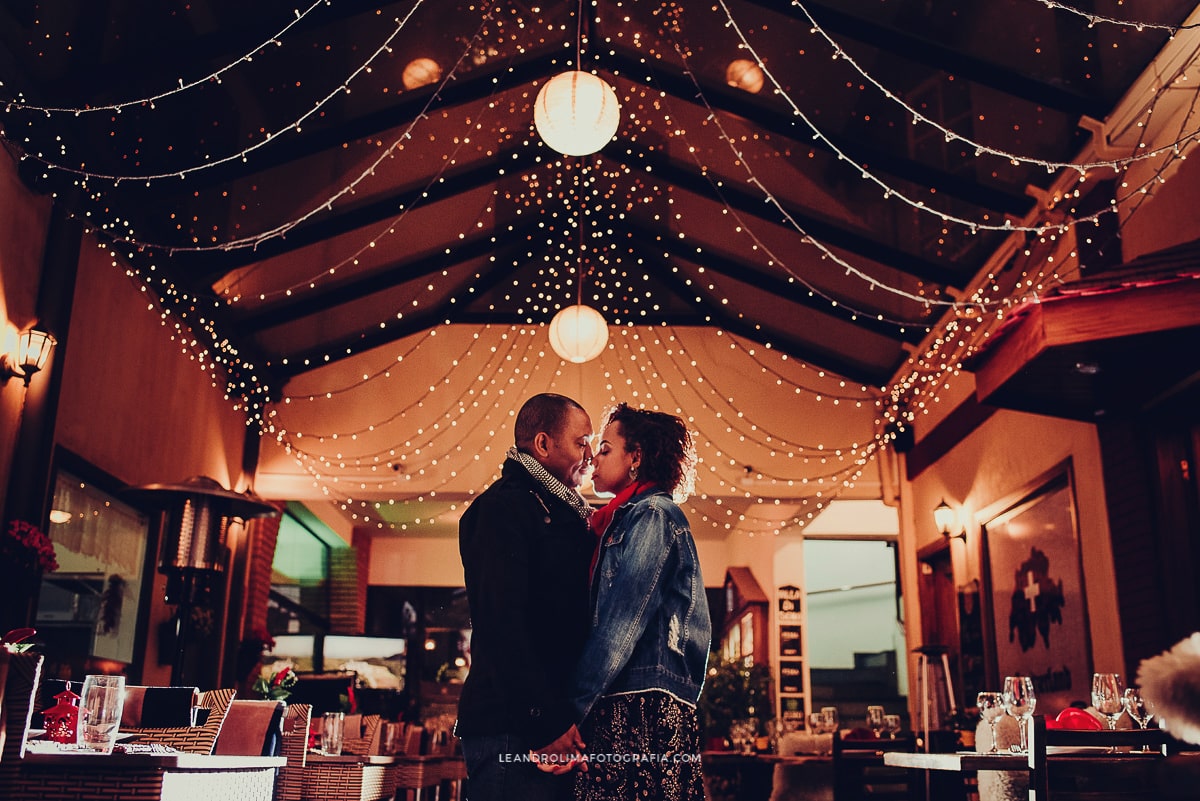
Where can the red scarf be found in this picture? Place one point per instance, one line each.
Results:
(602, 517)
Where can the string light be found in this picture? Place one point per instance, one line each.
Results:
(195, 322)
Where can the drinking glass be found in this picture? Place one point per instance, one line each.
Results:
(1138, 709)
(816, 723)
(333, 727)
(875, 719)
(991, 709)
(1020, 701)
(891, 724)
(1107, 693)
(101, 704)
(830, 716)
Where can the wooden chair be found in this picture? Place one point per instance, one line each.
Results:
(1089, 775)
(860, 775)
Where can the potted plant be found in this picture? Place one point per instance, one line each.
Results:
(733, 692)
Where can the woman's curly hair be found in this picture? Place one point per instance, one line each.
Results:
(668, 451)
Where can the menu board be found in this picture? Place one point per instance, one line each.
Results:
(789, 641)
(791, 708)
(790, 605)
(791, 677)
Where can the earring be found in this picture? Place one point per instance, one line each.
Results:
(633, 473)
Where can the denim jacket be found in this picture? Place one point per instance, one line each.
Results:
(650, 627)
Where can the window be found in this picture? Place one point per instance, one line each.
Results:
(88, 609)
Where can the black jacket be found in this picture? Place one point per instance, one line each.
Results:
(525, 555)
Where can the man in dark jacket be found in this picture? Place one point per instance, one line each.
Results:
(526, 550)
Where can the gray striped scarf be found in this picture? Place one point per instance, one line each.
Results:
(552, 484)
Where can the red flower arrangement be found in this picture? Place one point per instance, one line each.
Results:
(28, 546)
(278, 685)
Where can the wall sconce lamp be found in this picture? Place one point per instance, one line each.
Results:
(945, 517)
(33, 349)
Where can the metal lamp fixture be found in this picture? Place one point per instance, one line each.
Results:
(946, 519)
(33, 350)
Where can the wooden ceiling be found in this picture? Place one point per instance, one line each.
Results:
(273, 183)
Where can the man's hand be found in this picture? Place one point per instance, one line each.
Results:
(563, 755)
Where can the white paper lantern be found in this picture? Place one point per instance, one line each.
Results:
(576, 113)
(421, 72)
(578, 333)
(744, 74)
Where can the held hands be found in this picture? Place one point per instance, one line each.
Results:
(563, 755)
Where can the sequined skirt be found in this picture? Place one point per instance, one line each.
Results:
(641, 747)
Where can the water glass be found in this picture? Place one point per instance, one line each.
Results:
(1107, 691)
(875, 719)
(333, 729)
(830, 715)
(101, 704)
(1020, 701)
(991, 709)
(1138, 708)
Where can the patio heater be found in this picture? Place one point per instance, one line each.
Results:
(193, 523)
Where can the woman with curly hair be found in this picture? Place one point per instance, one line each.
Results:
(647, 651)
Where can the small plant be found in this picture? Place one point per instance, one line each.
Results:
(276, 686)
(732, 691)
(27, 546)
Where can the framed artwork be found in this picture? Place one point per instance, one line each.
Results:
(1036, 594)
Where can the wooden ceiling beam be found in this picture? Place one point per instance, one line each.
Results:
(936, 56)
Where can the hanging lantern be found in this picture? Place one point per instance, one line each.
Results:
(576, 113)
(421, 72)
(744, 74)
(578, 333)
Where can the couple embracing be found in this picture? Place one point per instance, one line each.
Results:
(591, 629)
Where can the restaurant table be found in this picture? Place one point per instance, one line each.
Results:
(732, 775)
(45, 774)
(1075, 761)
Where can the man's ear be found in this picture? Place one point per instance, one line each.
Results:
(541, 444)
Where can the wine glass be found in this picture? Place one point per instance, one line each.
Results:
(1138, 709)
(1020, 701)
(991, 709)
(875, 719)
(1107, 697)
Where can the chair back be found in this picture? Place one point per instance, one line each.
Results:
(289, 783)
(193, 739)
(21, 681)
(158, 707)
(365, 736)
(859, 772)
(1094, 776)
(252, 728)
